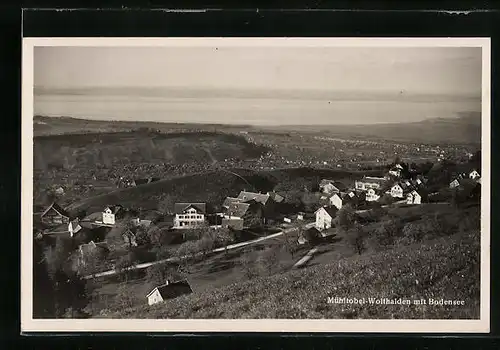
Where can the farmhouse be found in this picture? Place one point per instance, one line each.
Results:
(369, 182)
(413, 198)
(169, 290)
(54, 215)
(241, 215)
(324, 217)
(189, 215)
(265, 199)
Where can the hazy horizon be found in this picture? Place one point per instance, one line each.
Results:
(257, 85)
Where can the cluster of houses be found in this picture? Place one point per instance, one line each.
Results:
(369, 189)
(473, 175)
(246, 210)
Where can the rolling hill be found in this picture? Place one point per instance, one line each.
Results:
(464, 129)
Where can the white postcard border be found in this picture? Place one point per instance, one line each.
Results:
(28, 324)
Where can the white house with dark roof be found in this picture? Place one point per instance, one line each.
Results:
(324, 217)
(474, 175)
(372, 195)
(169, 290)
(189, 215)
(413, 198)
(397, 191)
(108, 216)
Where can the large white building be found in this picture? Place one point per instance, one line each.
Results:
(189, 215)
(368, 182)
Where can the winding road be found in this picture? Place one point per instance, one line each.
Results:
(217, 250)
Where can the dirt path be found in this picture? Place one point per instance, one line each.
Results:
(306, 257)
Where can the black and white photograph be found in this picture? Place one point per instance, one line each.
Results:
(251, 184)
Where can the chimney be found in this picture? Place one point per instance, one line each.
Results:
(167, 282)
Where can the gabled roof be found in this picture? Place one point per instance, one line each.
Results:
(259, 197)
(238, 209)
(57, 208)
(114, 208)
(229, 200)
(413, 193)
(172, 289)
(180, 208)
(332, 211)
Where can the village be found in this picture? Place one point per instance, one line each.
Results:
(102, 240)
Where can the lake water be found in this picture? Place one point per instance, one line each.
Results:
(257, 111)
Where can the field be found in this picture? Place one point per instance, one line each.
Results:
(248, 276)
(444, 268)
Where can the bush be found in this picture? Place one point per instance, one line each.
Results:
(387, 233)
(268, 260)
(159, 273)
(412, 233)
(357, 239)
(248, 263)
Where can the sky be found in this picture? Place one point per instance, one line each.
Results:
(430, 70)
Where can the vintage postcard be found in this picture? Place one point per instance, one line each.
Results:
(256, 184)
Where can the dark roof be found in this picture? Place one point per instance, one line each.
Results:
(57, 208)
(276, 197)
(180, 208)
(238, 209)
(114, 208)
(259, 197)
(173, 289)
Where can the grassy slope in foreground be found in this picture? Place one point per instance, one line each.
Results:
(444, 268)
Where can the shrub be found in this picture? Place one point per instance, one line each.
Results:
(268, 260)
(387, 233)
(159, 273)
(124, 298)
(412, 233)
(248, 263)
(357, 239)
